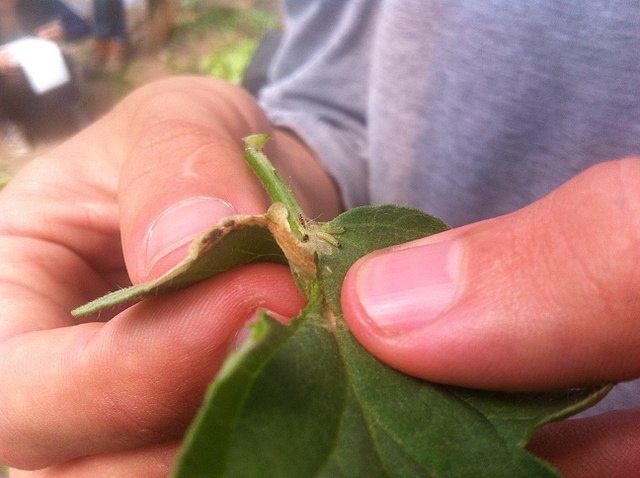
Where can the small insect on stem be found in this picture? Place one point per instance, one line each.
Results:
(312, 232)
(322, 239)
(327, 236)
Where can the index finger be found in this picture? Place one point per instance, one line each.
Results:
(133, 381)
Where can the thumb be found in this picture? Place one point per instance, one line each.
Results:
(184, 170)
(544, 297)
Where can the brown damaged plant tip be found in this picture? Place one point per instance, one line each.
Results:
(234, 241)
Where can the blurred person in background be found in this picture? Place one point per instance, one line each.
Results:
(110, 35)
(21, 108)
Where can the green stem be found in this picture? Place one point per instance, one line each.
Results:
(276, 187)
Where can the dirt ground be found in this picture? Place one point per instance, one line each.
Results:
(146, 64)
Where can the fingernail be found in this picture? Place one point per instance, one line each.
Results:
(169, 236)
(407, 288)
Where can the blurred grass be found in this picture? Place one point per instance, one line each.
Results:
(199, 14)
(229, 62)
(4, 180)
(217, 40)
(209, 37)
(4, 473)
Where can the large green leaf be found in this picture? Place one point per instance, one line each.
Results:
(230, 243)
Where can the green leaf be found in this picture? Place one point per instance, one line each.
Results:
(316, 403)
(230, 243)
(366, 229)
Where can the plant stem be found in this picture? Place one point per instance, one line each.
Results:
(276, 187)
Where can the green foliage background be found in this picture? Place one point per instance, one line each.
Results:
(4, 179)
(209, 37)
(217, 40)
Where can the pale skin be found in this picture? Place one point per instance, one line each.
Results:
(113, 397)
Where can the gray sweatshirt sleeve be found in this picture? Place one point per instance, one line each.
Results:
(466, 110)
(312, 89)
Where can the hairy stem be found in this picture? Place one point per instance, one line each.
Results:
(275, 185)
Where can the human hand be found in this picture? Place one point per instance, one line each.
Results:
(7, 64)
(547, 297)
(112, 396)
(52, 31)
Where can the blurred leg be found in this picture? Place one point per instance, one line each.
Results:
(111, 33)
(110, 20)
(14, 98)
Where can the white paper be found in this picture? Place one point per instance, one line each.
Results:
(41, 61)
